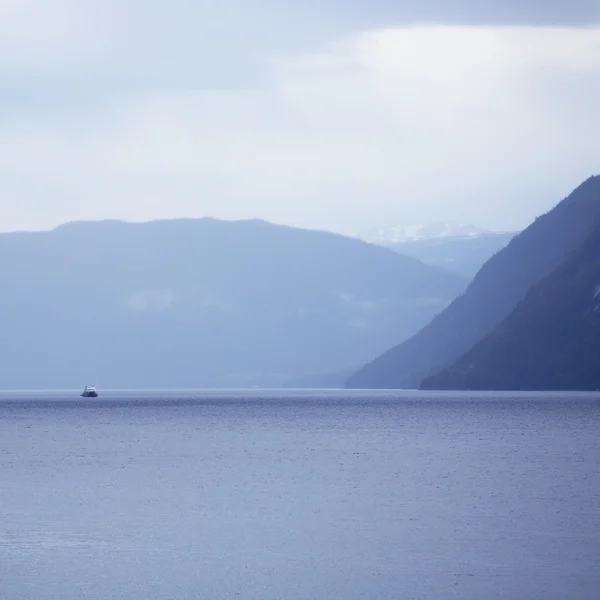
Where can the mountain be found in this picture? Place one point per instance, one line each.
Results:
(401, 234)
(494, 292)
(460, 248)
(550, 341)
(201, 303)
(464, 255)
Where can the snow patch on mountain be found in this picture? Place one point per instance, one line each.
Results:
(399, 234)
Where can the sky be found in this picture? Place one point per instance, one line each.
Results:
(338, 115)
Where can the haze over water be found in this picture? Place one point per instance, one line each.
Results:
(314, 495)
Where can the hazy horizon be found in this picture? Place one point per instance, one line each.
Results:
(357, 233)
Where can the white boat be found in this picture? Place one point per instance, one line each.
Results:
(89, 392)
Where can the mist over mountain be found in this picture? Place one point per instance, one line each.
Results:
(495, 291)
(460, 248)
(402, 234)
(550, 341)
(193, 303)
(329, 380)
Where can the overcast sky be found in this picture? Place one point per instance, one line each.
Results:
(341, 115)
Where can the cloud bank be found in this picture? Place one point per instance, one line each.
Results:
(341, 129)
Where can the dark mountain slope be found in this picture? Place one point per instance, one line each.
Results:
(496, 289)
(201, 303)
(551, 341)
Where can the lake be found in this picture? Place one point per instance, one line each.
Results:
(309, 495)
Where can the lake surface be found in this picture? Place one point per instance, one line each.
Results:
(312, 495)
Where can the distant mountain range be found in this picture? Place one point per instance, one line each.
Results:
(556, 246)
(460, 248)
(202, 303)
(402, 234)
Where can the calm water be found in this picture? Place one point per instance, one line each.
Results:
(319, 496)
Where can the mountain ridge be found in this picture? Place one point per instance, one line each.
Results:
(459, 248)
(548, 342)
(398, 234)
(201, 303)
(497, 288)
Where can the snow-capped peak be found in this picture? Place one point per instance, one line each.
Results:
(410, 233)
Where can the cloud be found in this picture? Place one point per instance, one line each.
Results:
(201, 44)
(150, 43)
(490, 125)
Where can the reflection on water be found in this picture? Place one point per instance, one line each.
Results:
(313, 495)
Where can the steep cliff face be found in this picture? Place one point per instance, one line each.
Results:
(495, 291)
(550, 341)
